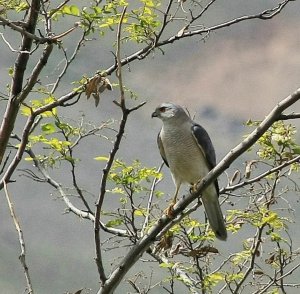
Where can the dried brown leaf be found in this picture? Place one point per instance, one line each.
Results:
(92, 86)
(271, 259)
(202, 251)
(165, 242)
(97, 85)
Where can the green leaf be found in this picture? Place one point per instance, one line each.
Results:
(234, 277)
(140, 212)
(48, 128)
(213, 279)
(72, 10)
(22, 6)
(114, 222)
(11, 71)
(296, 149)
(101, 158)
(25, 110)
(166, 265)
(28, 159)
(117, 190)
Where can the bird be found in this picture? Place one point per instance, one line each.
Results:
(187, 150)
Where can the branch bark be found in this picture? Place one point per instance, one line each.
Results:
(18, 77)
(21, 240)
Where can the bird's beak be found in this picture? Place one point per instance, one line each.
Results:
(154, 114)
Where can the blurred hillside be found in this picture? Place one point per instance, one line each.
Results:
(235, 74)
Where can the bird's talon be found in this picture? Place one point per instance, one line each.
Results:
(169, 212)
(193, 188)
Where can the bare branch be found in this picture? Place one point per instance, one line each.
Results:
(264, 15)
(261, 176)
(70, 60)
(289, 116)
(35, 74)
(119, 136)
(23, 31)
(10, 47)
(119, 63)
(83, 214)
(254, 249)
(18, 77)
(21, 239)
(149, 203)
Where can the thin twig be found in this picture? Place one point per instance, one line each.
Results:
(10, 47)
(261, 176)
(23, 31)
(35, 73)
(108, 166)
(119, 63)
(81, 213)
(149, 203)
(69, 61)
(289, 116)
(254, 249)
(264, 15)
(21, 240)
(26, 131)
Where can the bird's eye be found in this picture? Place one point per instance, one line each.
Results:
(163, 109)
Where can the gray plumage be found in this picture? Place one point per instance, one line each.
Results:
(188, 151)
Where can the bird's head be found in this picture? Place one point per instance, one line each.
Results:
(168, 110)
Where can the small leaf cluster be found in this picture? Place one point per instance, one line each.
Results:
(13, 5)
(140, 23)
(27, 109)
(278, 143)
(132, 178)
(145, 22)
(55, 136)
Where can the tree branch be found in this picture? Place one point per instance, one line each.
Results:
(21, 240)
(289, 116)
(112, 154)
(12, 108)
(264, 15)
(261, 176)
(22, 29)
(35, 73)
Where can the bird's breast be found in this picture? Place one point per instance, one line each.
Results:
(186, 160)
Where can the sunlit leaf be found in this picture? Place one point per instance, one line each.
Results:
(140, 212)
(48, 128)
(101, 158)
(114, 222)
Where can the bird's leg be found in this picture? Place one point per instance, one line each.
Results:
(169, 210)
(193, 189)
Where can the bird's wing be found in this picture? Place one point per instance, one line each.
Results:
(161, 149)
(206, 146)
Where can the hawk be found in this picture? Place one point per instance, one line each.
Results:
(187, 150)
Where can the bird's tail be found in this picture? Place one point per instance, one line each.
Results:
(214, 213)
